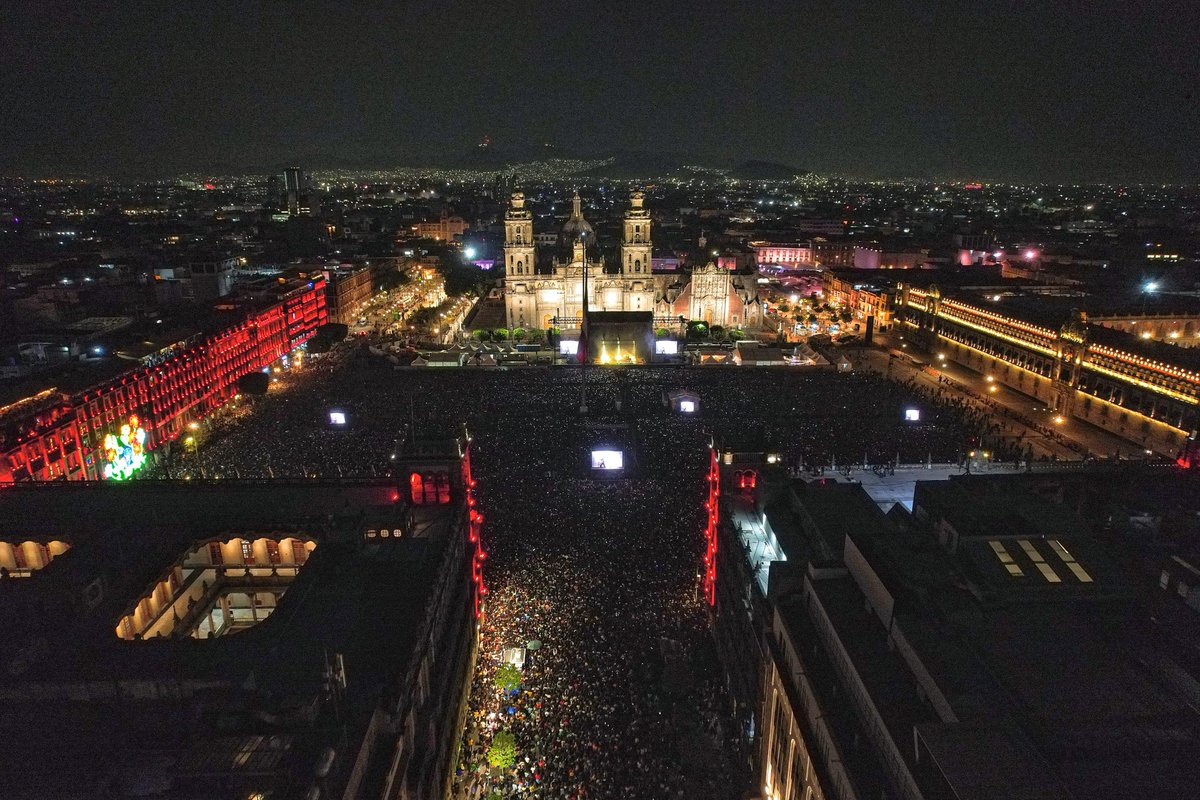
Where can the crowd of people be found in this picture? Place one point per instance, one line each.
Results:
(812, 417)
(623, 697)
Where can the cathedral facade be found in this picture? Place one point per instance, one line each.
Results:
(543, 298)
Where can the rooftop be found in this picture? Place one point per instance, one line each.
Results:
(180, 709)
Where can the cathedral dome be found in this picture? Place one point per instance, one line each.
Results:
(574, 228)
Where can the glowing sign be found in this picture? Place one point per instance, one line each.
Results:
(666, 347)
(608, 459)
(687, 406)
(337, 418)
(125, 451)
(912, 415)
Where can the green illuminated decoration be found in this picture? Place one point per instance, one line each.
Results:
(125, 451)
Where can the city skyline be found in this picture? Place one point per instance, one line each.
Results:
(1100, 93)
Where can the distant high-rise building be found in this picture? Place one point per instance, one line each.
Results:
(293, 190)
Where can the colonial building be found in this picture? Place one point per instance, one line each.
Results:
(241, 639)
(1140, 389)
(554, 296)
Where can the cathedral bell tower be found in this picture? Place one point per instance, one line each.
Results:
(635, 243)
(519, 254)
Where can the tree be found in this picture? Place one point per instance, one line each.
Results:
(500, 335)
(697, 329)
(481, 335)
(392, 278)
(535, 336)
(508, 677)
(519, 334)
(502, 753)
(845, 316)
(784, 308)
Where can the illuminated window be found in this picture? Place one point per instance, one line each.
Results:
(247, 552)
(416, 488)
(299, 551)
(214, 553)
(273, 551)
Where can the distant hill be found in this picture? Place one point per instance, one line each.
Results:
(639, 164)
(764, 171)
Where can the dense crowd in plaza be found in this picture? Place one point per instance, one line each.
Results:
(622, 698)
(811, 417)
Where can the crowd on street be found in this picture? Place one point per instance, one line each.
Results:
(620, 696)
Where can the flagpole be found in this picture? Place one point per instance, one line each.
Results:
(583, 409)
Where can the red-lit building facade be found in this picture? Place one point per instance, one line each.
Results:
(58, 435)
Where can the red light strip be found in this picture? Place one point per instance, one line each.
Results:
(710, 533)
(474, 525)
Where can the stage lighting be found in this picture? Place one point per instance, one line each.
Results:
(608, 460)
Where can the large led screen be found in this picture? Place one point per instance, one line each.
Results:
(608, 459)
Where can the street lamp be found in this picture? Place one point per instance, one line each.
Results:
(1148, 288)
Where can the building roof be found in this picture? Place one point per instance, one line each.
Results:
(235, 704)
(1055, 688)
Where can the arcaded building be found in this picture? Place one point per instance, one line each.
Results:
(229, 639)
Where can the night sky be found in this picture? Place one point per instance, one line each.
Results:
(1049, 90)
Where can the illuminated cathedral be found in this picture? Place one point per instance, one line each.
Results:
(553, 296)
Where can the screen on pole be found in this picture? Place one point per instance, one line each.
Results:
(608, 459)
(912, 415)
(568, 347)
(337, 418)
(666, 347)
(687, 406)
